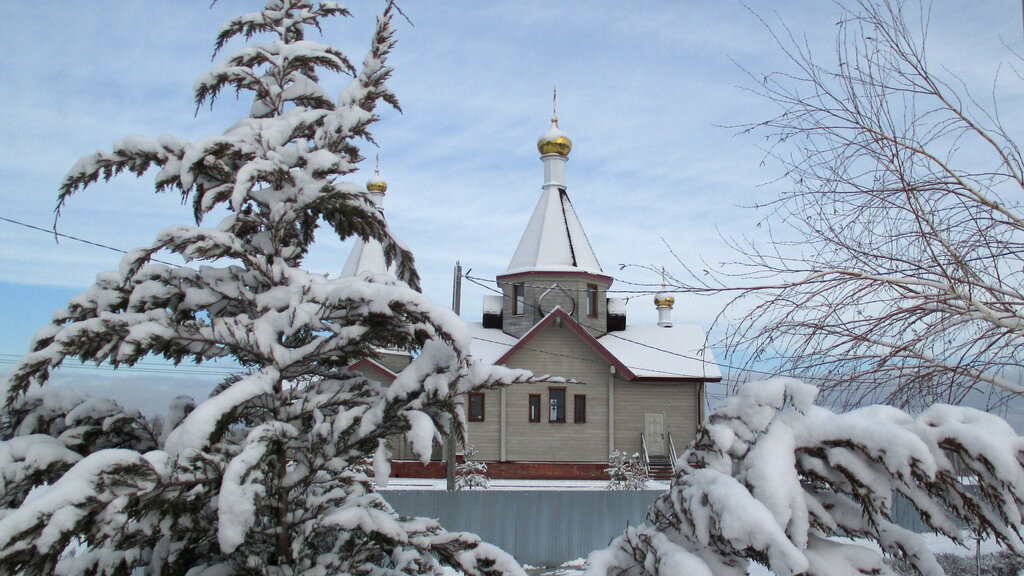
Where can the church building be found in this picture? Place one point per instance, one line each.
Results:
(638, 389)
(614, 386)
(367, 257)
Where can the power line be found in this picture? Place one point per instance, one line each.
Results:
(478, 282)
(140, 367)
(54, 232)
(580, 359)
(475, 280)
(679, 354)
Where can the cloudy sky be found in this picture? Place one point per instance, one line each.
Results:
(647, 91)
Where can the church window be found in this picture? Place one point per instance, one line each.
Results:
(476, 407)
(534, 407)
(592, 300)
(556, 401)
(580, 412)
(518, 299)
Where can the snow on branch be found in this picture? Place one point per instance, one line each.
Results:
(265, 475)
(776, 480)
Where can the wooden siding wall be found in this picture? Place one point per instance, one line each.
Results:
(485, 436)
(558, 351)
(679, 403)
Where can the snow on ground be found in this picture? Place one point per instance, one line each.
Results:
(578, 485)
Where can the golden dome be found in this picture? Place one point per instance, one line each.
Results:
(554, 141)
(664, 299)
(377, 185)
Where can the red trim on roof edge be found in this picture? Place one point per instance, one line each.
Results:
(372, 364)
(580, 330)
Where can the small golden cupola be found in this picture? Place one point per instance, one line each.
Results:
(376, 184)
(664, 301)
(554, 141)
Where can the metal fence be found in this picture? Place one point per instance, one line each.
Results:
(547, 528)
(542, 528)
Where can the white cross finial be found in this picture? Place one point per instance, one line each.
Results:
(554, 105)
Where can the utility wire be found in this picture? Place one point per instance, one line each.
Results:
(146, 367)
(634, 292)
(473, 279)
(661, 350)
(578, 358)
(54, 232)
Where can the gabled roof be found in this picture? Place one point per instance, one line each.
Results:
(557, 314)
(640, 353)
(554, 240)
(369, 364)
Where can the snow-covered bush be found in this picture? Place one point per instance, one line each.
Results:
(777, 480)
(471, 474)
(260, 477)
(626, 472)
(1002, 563)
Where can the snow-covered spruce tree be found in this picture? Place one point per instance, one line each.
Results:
(259, 478)
(471, 474)
(776, 480)
(626, 472)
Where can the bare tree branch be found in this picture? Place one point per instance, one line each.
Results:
(895, 263)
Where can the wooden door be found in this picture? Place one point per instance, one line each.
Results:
(654, 433)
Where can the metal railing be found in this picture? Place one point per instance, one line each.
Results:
(646, 457)
(672, 453)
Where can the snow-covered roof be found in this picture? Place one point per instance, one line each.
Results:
(617, 306)
(367, 256)
(554, 240)
(364, 362)
(493, 304)
(489, 344)
(657, 352)
(648, 352)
